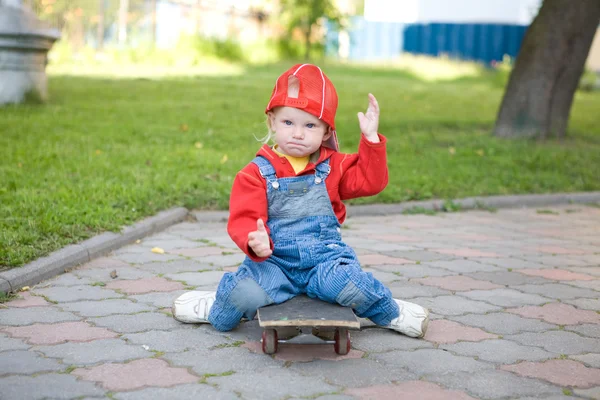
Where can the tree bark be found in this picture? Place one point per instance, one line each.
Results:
(540, 91)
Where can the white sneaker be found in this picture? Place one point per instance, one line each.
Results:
(413, 319)
(193, 307)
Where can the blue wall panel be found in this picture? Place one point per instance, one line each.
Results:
(479, 42)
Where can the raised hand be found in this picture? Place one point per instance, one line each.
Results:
(369, 121)
(259, 240)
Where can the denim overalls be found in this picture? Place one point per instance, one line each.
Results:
(308, 257)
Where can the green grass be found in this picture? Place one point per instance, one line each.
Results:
(106, 152)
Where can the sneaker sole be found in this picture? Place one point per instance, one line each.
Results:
(425, 324)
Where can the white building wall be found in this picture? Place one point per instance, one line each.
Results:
(517, 12)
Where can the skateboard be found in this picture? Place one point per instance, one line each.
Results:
(303, 320)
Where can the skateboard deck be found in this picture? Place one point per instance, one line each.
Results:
(302, 312)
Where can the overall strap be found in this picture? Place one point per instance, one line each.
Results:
(322, 171)
(267, 171)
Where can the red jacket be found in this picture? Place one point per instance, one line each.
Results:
(352, 175)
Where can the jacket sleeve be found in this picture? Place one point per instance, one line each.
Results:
(247, 203)
(365, 173)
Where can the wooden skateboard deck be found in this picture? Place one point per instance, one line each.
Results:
(306, 315)
(304, 311)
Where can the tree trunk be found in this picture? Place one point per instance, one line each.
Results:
(100, 28)
(540, 91)
(123, 15)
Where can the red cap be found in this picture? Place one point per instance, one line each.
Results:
(316, 96)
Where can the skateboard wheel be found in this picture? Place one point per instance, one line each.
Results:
(269, 341)
(342, 341)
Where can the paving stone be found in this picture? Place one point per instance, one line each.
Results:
(493, 384)
(177, 340)
(260, 384)
(305, 352)
(197, 252)
(146, 285)
(26, 299)
(107, 350)
(8, 343)
(64, 280)
(135, 375)
(377, 340)
(160, 300)
(223, 260)
(418, 271)
(168, 244)
(510, 262)
(104, 274)
(105, 307)
(102, 263)
(59, 333)
(384, 277)
(430, 361)
(457, 283)
(595, 284)
(466, 252)
(187, 391)
(443, 331)
(558, 313)
(592, 393)
(454, 305)
(178, 266)
(409, 289)
(554, 261)
(463, 266)
(504, 297)
(589, 270)
(557, 274)
(138, 322)
(27, 316)
(54, 386)
(408, 390)
(144, 256)
(503, 324)
(421, 255)
(354, 372)
(559, 342)
(26, 362)
(506, 278)
(586, 304)
(208, 278)
(559, 372)
(590, 330)
(499, 351)
(558, 291)
(77, 293)
(380, 259)
(591, 359)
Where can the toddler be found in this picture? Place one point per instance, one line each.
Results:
(286, 211)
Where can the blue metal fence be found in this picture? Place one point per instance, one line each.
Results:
(386, 40)
(479, 42)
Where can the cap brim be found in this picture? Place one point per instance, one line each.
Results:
(332, 142)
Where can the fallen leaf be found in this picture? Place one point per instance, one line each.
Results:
(98, 151)
(451, 150)
(138, 241)
(25, 288)
(480, 152)
(184, 127)
(198, 145)
(224, 159)
(158, 250)
(113, 274)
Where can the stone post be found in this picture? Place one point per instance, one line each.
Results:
(24, 45)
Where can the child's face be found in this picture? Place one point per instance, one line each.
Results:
(297, 133)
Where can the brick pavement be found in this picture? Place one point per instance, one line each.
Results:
(514, 300)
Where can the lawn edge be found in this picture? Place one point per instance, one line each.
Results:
(467, 203)
(76, 254)
(80, 253)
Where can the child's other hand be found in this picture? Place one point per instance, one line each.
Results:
(369, 121)
(259, 240)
